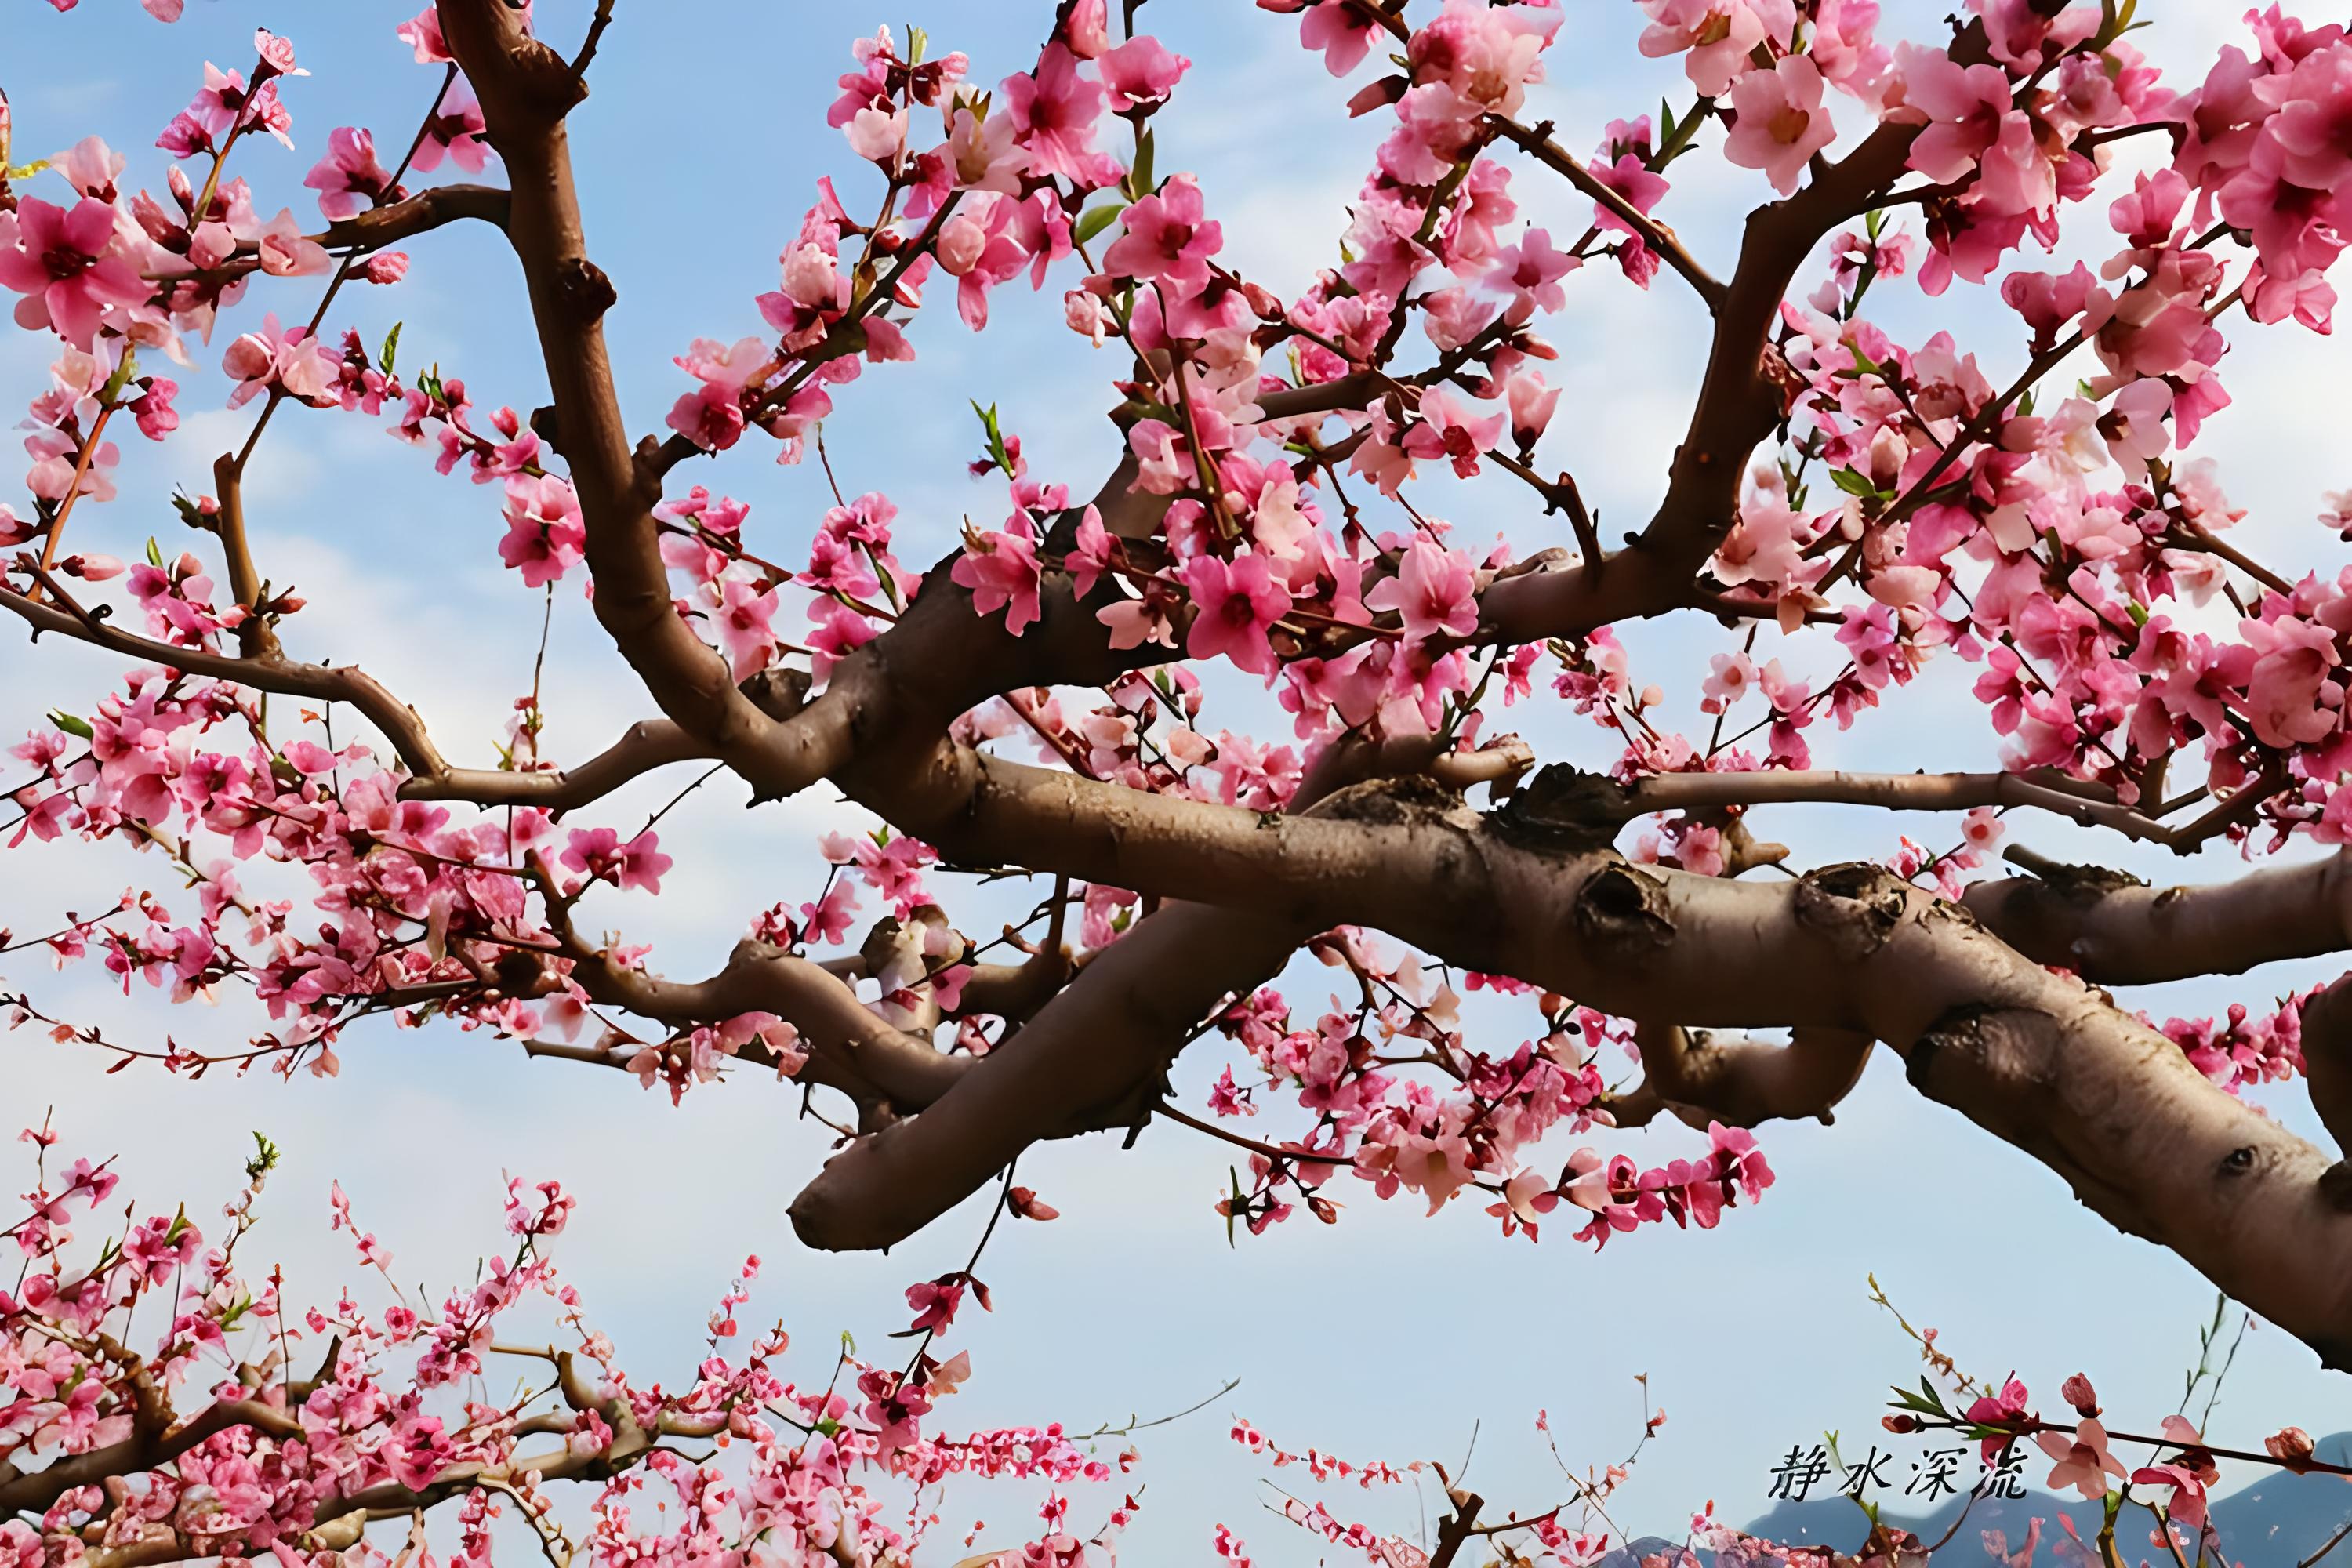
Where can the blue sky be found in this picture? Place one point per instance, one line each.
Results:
(1389, 1335)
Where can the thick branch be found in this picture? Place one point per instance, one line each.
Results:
(2032, 1056)
(1741, 1082)
(2114, 930)
(1088, 1059)
(2327, 1066)
(850, 1048)
(1739, 403)
(526, 90)
(426, 210)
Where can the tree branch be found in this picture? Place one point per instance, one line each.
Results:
(2114, 929)
(642, 748)
(1741, 1082)
(1532, 891)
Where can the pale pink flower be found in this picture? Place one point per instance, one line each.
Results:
(1140, 74)
(349, 179)
(65, 266)
(545, 536)
(1167, 234)
(1434, 592)
(2081, 1461)
(1781, 120)
(1235, 602)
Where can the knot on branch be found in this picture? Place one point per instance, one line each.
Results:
(1405, 801)
(778, 692)
(1564, 808)
(1857, 906)
(2081, 884)
(1626, 909)
(587, 292)
(1773, 369)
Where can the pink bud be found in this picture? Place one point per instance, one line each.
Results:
(92, 568)
(248, 359)
(1088, 32)
(2291, 1447)
(960, 245)
(1086, 315)
(809, 276)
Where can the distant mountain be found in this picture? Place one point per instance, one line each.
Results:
(2273, 1524)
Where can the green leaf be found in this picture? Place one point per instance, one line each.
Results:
(154, 554)
(997, 450)
(121, 376)
(1093, 220)
(1852, 483)
(71, 725)
(391, 348)
(1236, 1204)
(1139, 178)
(917, 41)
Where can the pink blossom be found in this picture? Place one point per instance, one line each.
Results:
(1334, 27)
(1433, 591)
(1781, 121)
(545, 534)
(1447, 429)
(349, 179)
(598, 854)
(1140, 73)
(1054, 111)
(1002, 570)
(1236, 603)
(66, 267)
(1531, 404)
(1530, 272)
(1166, 235)
(1719, 35)
(2081, 1461)
(457, 132)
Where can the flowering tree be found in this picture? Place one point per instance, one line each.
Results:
(1865, 505)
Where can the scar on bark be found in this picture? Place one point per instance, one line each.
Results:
(1992, 1064)
(587, 292)
(1625, 908)
(2328, 1067)
(1563, 808)
(1857, 906)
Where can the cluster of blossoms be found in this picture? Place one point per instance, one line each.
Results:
(1265, 515)
(2045, 544)
(198, 1436)
(1268, 512)
(1398, 1133)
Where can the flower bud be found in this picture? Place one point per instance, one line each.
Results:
(2291, 1447)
